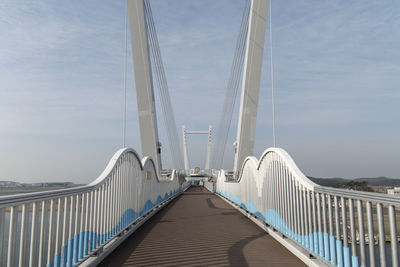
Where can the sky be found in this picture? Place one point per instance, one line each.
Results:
(337, 84)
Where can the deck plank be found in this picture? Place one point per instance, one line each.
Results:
(200, 229)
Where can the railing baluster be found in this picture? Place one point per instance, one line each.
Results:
(12, 236)
(85, 227)
(381, 234)
(91, 228)
(326, 238)
(113, 204)
(306, 219)
(64, 243)
(33, 238)
(118, 190)
(310, 222)
(371, 236)
(297, 210)
(101, 214)
(51, 241)
(319, 219)
(286, 199)
(23, 234)
(302, 224)
(80, 231)
(70, 237)
(332, 244)
(361, 231)
(354, 257)
(291, 206)
(108, 214)
(93, 244)
(346, 249)
(43, 232)
(339, 244)
(315, 229)
(393, 236)
(57, 252)
(2, 230)
(76, 229)
(279, 193)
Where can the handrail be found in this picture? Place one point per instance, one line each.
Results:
(14, 199)
(68, 225)
(323, 220)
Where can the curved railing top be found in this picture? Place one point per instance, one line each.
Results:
(17, 199)
(307, 183)
(288, 161)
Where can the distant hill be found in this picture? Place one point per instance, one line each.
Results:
(9, 187)
(378, 181)
(46, 184)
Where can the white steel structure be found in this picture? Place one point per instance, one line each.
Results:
(334, 225)
(251, 81)
(69, 226)
(185, 149)
(144, 83)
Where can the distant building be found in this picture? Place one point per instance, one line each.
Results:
(394, 191)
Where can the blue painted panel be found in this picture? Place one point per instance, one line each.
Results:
(333, 249)
(346, 255)
(78, 247)
(339, 250)
(354, 261)
(319, 242)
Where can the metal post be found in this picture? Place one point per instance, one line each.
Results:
(381, 234)
(393, 236)
(207, 165)
(371, 236)
(23, 234)
(34, 232)
(185, 149)
(346, 249)
(12, 236)
(2, 230)
(361, 231)
(339, 244)
(353, 233)
(331, 233)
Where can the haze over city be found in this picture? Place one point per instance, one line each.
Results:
(336, 70)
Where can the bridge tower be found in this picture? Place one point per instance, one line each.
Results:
(185, 150)
(144, 83)
(251, 82)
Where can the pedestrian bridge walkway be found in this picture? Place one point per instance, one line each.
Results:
(198, 228)
(132, 216)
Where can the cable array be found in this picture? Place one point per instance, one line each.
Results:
(162, 86)
(234, 82)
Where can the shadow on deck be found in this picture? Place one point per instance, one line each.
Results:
(200, 229)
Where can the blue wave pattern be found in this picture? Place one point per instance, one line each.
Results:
(320, 243)
(79, 247)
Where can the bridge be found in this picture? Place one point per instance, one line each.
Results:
(264, 212)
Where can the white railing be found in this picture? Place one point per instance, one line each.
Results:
(65, 227)
(320, 219)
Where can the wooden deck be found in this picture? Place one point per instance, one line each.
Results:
(200, 229)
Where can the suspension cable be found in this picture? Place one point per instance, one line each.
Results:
(231, 90)
(272, 75)
(165, 100)
(125, 75)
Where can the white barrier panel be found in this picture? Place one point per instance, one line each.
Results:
(63, 227)
(323, 220)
